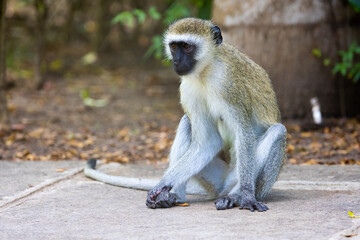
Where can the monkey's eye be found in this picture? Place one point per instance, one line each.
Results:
(187, 47)
(173, 47)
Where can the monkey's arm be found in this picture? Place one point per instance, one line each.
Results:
(205, 144)
(134, 183)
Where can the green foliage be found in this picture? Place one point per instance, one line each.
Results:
(176, 10)
(355, 4)
(155, 48)
(56, 65)
(154, 14)
(349, 67)
(317, 52)
(84, 93)
(23, 3)
(141, 15)
(89, 58)
(326, 62)
(128, 18)
(204, 8)
(40, 5)
(90, 102)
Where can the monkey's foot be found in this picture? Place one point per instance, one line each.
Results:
(252, 205)
(227, 202)
(231, 201)
(161, 198)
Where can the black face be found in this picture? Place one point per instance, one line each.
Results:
(183, 57)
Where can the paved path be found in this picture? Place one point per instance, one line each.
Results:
(37, 202)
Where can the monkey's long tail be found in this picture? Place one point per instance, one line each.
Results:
(133, 183)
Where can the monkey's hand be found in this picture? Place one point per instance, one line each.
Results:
(246, 202)
(161, 197)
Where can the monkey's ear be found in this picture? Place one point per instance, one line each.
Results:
(216, 34)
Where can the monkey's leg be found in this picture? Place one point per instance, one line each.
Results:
(212, 177)
(245, 172)
(270, 154)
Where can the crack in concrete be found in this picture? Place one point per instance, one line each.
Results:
(16, 199)
(317, 185)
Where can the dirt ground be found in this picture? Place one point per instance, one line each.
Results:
(135, 120)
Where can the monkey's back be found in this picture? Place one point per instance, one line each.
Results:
(248, 84)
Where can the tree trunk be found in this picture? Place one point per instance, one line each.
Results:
(41, 14)
(103, 19)
(280, 36)
(69, 28)
(4, 115)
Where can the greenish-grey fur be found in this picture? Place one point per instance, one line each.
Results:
(191, 26)
(248, 85)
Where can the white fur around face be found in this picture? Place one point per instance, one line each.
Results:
(200, 43)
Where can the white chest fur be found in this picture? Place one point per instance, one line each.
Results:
(201, 97)
(204, 99)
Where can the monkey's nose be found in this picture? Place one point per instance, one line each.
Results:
(176, 62)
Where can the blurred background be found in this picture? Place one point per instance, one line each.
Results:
(84, 79)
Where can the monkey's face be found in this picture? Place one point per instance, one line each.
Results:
(183, 55)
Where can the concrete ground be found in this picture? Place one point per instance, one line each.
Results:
(53, 200)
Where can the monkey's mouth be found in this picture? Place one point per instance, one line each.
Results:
(183, 70)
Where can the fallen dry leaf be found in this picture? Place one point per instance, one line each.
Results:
(292, 161)
(345, 161)
(326, 130)
(351, 214)
(10, 139)
(22, 154)
(60, 170)
(349, 235)
(311, 162)
(182, 204)
(305, 134)
(76, 143)
(290, 148)
(37, 133)
(315, 146)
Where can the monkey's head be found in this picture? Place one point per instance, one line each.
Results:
(189, 41)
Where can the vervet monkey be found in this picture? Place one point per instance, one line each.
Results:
(230, 139)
